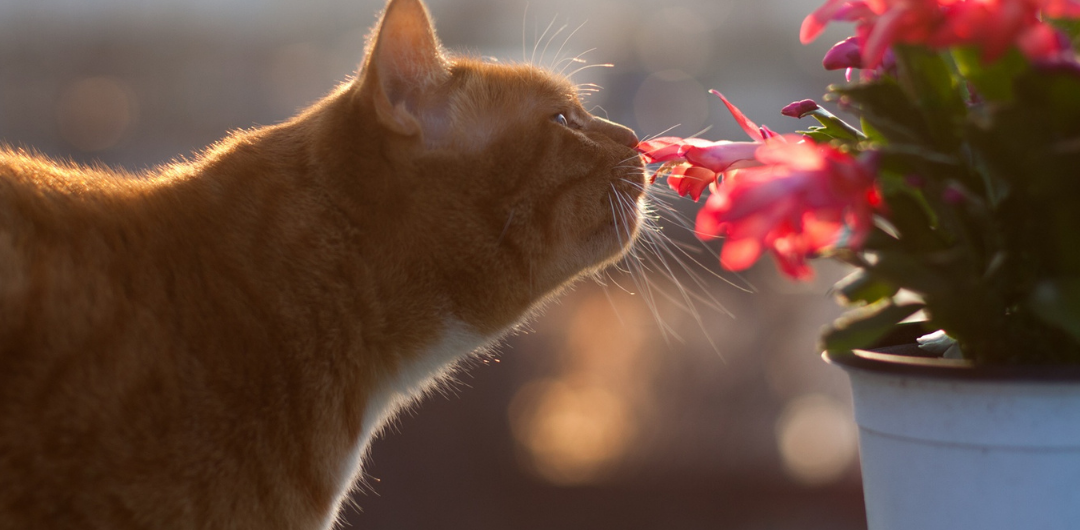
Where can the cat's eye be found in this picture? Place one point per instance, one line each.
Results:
(560, 118)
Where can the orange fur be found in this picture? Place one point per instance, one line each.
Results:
(202, 345)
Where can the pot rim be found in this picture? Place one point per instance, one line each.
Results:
(907, 359)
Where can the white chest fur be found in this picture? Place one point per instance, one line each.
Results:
(409, 383)
(419, 376)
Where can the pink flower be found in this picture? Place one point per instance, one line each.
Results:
(993, 25)
(692, 164)
(844, 54)
(880, 23)
(804, 198)
(847, 55)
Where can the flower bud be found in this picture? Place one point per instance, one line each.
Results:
(844, 54)
(954, 195)
(799, 109)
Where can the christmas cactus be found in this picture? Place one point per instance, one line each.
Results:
(958, 193)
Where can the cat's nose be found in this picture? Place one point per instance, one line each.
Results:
(622, 134)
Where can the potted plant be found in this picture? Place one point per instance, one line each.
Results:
(957, 200)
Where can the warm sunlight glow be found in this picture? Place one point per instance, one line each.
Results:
(571, 432)
(578, 425)
(817, 439)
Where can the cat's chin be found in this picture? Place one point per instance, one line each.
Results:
(617, 236)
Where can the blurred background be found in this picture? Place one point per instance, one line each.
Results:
(621, 407)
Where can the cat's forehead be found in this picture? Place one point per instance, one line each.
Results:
(522, 83)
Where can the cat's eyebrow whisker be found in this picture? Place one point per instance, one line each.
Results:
(536, 44)
(588, 66)
(524, 32)
(558, 54)
(577, 59)
(543, 53)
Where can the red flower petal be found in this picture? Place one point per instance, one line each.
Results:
(815, 22)
(721, 156)
(806, 198)
(690, 180)
(668, 148)
(737, 255)
(750, 127)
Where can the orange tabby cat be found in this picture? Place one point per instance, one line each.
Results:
(213, 344)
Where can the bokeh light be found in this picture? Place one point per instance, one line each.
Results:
(571, 432)
(817, 438)
(576, 425)
(94, 113)
(675, 38)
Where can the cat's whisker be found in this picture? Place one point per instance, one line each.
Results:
(611, 302)
(661, 247)
(661, 133)
(659, 251)
(664, 209)
(701, 132)
(641, 279)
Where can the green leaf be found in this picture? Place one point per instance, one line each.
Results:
(1069, 27)
(888, 110)
(928, 78)
(863, 287)
(872, 133)
(993, 81)
(835, 126)
(818, 135)
(1057, 302)
(862, 327)
(908, 272)
(914, 218)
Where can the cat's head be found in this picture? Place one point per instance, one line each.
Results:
(495, 172)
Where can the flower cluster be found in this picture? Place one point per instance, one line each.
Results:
(959, 189)
(991, 25)
(781, 193)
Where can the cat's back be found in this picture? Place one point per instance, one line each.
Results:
(133, 333)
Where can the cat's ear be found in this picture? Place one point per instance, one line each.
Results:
(404, 61)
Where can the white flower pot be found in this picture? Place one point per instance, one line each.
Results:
(948, 446)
